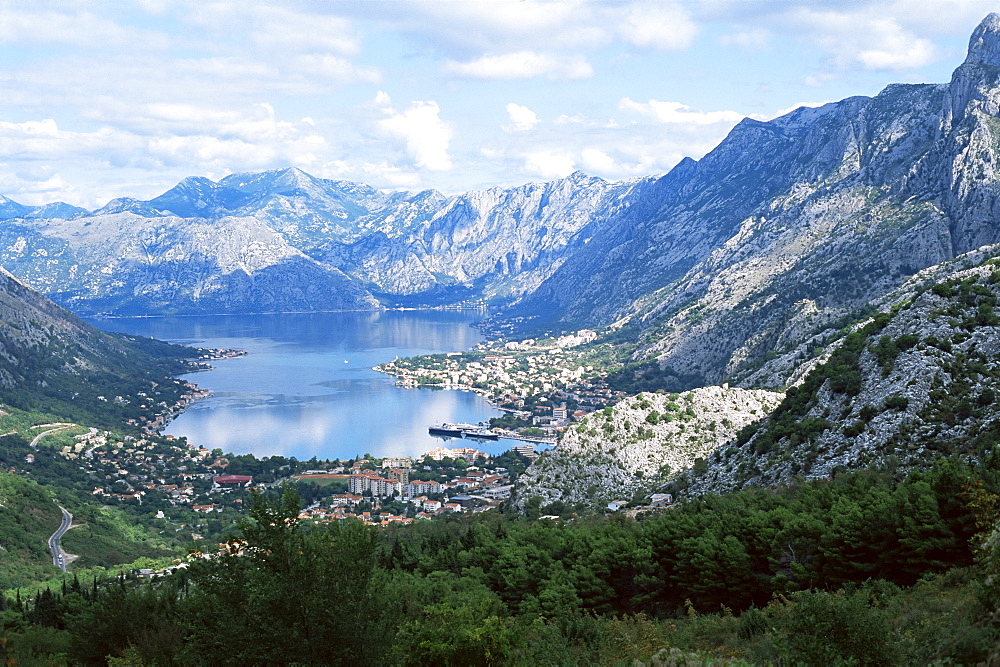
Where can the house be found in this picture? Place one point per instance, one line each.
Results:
(463, 501)
(432, 505)
(616, 505)
(498, 492)
(660, 500)
(233, 480)
(345, 499)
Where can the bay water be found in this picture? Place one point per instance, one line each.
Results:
(306, 386)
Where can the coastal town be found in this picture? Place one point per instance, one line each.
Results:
(163, 473)
(543, 384)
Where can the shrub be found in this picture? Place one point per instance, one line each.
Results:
(896, 402)
(835, 628)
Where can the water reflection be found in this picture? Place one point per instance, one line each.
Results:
(307, 388)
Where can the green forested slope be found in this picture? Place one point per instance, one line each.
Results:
(28, 516)
(859, 569)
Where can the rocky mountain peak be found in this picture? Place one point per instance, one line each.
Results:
(984, 45)
(973, 90)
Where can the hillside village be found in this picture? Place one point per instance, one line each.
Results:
(162, 472)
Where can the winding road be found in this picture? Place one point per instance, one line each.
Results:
(59, 427)
(58, 556)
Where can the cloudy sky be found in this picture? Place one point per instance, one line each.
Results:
(101, 99)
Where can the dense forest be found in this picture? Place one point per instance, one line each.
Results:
(861, 568)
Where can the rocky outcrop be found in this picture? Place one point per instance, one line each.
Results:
(639, 444)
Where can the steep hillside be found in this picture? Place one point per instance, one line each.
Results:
(52, 361)
(29, 514)
(789, 225)
(639, 444)
(895, 391)
(899, 391)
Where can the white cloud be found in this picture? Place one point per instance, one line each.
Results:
(522, 118)
(549, 164)
(469, 27)
(278, 27)
(421, 130)
(331, 68)
(75, 27)
(597, 161)
(524, 65)
(866, 38)
(178, 138)
(897, 48)
(35, 185)
(659, 26)
(676, 112)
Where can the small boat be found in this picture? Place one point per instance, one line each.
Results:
(481, 434)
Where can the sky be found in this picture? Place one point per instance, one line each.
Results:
(108, 98)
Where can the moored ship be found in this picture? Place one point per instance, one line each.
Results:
(481, 434)
(449, 430)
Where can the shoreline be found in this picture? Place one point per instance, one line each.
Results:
(161, 421)
(196, 393)
(448, 386)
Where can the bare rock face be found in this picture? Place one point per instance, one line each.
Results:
(126, 263)
(984, 45)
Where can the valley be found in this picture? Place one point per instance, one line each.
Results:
(772, 376)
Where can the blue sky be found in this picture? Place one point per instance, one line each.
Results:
(102, 99)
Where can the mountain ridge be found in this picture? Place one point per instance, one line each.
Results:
(786, 227)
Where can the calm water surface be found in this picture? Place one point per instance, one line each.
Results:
(306, 387)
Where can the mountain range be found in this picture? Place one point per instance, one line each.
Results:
(739, 267)
(286, 241)
(778, 234)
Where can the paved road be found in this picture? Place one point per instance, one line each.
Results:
(34, 443)
(58, 557)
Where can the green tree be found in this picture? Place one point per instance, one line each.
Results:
(284, 592)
